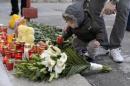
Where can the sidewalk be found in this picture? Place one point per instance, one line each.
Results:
(50, 13)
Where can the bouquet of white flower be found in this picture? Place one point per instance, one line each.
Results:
(54, 63)
(52, 60)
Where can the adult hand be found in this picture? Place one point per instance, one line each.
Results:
(108, 9)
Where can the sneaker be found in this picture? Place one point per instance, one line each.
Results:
(116, 55)
(101, 51)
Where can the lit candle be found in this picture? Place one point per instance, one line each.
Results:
(12, 53)
(4, 49)
(10, 65)
(18, 55)
(5, 60)
(31, 52)
(4, 29)
(22, 46)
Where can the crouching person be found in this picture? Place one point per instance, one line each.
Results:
(88, 34)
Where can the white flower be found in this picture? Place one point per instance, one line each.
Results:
(54, 51)
(63, 58)
(45, 54)
(59, 67)
(49, 63)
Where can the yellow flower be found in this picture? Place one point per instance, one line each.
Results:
(13, 20)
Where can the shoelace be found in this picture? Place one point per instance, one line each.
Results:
(116, 52)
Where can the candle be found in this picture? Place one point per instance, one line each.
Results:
(10, 38)
(0, 35)
(18, 46)
(12, 53)
(1, 25)
(8, 53)
(4, 29)
(10, 65)
(31, 52)
(5, 60)
(1, 46)
(60, 40)
(4, 49)
(18, 55)
(22, 46)
(4, 36)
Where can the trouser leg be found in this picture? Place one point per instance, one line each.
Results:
(15, 8)
(120, 24)
(95, 7)
(23, 5)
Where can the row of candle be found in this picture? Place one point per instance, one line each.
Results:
(12, 50)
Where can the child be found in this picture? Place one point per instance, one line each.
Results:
(88, 34)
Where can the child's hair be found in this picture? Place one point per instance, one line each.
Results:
(67, 17)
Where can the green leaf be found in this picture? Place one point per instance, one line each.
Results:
(75, 64)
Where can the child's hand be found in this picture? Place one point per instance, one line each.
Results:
(59, 40)
(96, 44)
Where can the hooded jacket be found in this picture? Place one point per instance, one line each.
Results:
(87, 29)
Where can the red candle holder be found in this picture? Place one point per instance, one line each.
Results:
(8, 53)
(0, 35)
(4, 36)
(5, 60)
(13, 53)
(18, 46)
(0, 29)
(10, 65)
(60, 40)
(18, 55)
(1, 46)
(34, 48)
(4, 29)
(4, 49)
(31, 52)
(22, 46)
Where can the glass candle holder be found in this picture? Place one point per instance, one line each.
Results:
(18, 55)
(12, 53)
(31, 52)
(10, 65)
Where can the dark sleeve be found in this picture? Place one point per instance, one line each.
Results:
(96, 29)
(67, 33)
